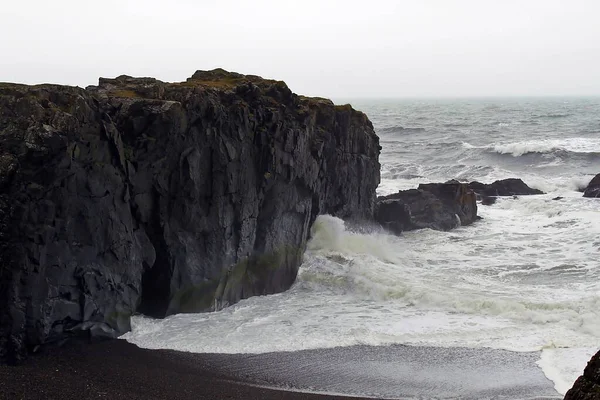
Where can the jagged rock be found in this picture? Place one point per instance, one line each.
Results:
(394, 215)
(140, 195)
(440, 206)
(593, 188)
(587, 386)
(504, 187)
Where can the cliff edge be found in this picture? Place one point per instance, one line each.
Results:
(138, 195)
(587, 386)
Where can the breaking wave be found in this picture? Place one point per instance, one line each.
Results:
(564, 149)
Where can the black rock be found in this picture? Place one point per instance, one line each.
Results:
(144, 196)
(394, 215)
(488, 200)
(440, 206)
(587, 386)
(504, 187)
(593, 188)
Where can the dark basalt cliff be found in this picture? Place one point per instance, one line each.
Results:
(143, 196)
(593, 188)
(587, 386)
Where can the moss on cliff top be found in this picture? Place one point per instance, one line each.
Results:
(217, 84)
(126, 93)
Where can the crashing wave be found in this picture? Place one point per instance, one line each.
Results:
(561, 147)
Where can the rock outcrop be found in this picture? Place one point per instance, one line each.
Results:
(587, 386)
(440, 206)
(504, 187)
(593, 188)
(144, 196)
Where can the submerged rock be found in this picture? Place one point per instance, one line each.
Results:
(587, 386)
(504, 187)
(144, 196)
(440, 206)
(488, 200)
(593, 188)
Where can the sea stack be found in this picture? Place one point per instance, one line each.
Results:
(138, 195)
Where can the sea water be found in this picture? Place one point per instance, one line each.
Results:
(526, 278)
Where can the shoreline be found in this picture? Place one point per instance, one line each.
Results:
(121, 370)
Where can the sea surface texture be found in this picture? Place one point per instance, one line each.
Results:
(525, 279)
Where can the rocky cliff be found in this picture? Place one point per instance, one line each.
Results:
(144, 196)
(587, 386)
(593, 188)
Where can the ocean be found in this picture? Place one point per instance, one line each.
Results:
(523, 282)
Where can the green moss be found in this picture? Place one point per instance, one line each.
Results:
(225, 83)
(128, 152)
(120, 320)
(125, 93)
(254, 269)
(343, 107)
(250, 272)
(195, 298)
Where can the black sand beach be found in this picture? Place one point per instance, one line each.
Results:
(119, 370)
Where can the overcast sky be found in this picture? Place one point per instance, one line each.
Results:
(330, 48)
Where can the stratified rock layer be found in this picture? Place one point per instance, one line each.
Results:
(439, 206)
(139, 195)
(587, 386)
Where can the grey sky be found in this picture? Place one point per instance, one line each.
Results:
(332, 48)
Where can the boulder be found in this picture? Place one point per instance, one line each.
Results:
(593, 188)
(587, 386)
(394, 215)
(138, 195)
(504, 187)
(439, 206)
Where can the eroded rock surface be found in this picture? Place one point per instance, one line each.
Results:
(504, 187)
(587, 386)
(140, 195)
(440, 206)
(593, 188)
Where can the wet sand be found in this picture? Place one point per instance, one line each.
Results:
(119, 370)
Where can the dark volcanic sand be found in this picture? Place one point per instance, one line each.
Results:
(119, 370)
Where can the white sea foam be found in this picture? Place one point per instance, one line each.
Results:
(525, 278)
(574, 145)
(517, 149)
(524, 281)
(563, 365)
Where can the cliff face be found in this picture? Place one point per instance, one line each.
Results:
(587, 386)
(139, 195)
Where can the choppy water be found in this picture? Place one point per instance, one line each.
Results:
(525, 278)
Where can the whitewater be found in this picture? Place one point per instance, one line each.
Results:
(526, 278)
